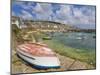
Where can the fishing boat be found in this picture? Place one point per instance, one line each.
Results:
(40, 56)
(47, 38)
(79, 38)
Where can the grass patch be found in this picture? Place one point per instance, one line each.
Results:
(82, 55)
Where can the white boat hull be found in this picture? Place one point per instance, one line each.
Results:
(40, 62)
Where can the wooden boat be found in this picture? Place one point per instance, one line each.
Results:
(47, 38)
(38, 55)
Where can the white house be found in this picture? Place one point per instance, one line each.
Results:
(15, 21)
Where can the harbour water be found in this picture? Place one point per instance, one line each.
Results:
(77, 40)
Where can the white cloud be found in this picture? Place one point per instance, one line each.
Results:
(26, 15)
(27, 6)
(13, 13)
(43, 11)
(69, 14)
(76, 16)
(64, 14)
(38, 9)
(86, 17)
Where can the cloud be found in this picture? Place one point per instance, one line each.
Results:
(26, 15)
(13, 13)
(43, 11)
(64, 13)
(75, 15)
(25, 5)
(84, 16)
(69, 14)
(38, 9)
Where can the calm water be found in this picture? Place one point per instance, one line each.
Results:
(76, 40)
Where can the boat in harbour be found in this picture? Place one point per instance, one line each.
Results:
(47, 38)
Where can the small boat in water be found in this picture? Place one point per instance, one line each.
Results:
(94, 36)
(47, 38)
(38, 55)
(79, 38)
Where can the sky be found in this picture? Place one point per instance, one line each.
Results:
(82, 16)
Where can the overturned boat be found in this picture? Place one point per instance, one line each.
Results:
(38, 55)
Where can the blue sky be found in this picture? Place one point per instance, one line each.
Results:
(78, 15)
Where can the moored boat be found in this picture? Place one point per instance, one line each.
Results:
(47, 38)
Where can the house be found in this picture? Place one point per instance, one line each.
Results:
(15, 21)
